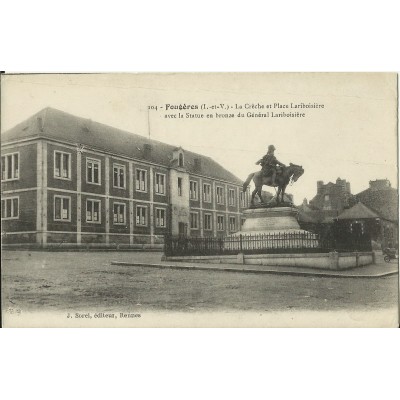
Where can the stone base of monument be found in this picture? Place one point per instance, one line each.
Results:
(332, 260)
(271, 221)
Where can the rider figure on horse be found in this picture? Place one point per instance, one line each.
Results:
(269, 164)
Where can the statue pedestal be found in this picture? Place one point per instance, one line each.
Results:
(270, 220)
(271, 228)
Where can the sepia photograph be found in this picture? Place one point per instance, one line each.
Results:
(199, 200)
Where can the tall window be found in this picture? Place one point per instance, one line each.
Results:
(160, 218)
(242, 199)
(93, 171)
(62, 165)
(207, 193)
(141, 215)
(220, 195)
(10, 166)
(119, 176)
(179, 186)
(10, 208)
(207, 222)
(119, 213)
(141, 180)
(160, 183)
(180, 159)
(220, 222)
(194, 220)
(232, 224)
(93, 211)
(62, 208)
(193, 190)
(231, 196)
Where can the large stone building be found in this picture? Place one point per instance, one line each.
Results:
(331, 199)
(69, 180)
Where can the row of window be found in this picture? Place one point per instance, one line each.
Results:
(62, 170)
(208, 224)
(62, 212)
(193, 194)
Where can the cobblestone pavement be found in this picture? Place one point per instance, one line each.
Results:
(62, 281)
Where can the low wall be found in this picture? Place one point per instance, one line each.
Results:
(332, 261)
(84, 247)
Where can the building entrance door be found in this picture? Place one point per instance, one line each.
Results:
(182, 229)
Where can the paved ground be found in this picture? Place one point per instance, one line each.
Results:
(42, 281)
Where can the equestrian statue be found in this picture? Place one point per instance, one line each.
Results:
(273, 173)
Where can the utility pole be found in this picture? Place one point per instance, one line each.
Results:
(148, 121)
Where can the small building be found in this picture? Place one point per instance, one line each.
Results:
(70, 180)
(383, 200)
(360, 220)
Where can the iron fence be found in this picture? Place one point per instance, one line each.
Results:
(273, 243)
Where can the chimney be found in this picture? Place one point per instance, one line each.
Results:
(147, 150)
(87, 125)
(320, 186)
(197, 164)
(379, 184)
(40, 124)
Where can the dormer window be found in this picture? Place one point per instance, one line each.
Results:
(178, 157)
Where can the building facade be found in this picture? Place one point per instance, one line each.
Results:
(71, 181)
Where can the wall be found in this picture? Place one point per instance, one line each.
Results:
(179, 204)
(331, 261)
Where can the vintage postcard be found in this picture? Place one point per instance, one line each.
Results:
(199, 200)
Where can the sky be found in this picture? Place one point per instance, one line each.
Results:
(354, 135)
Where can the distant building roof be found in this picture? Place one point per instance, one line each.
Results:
(307, 217)
(383, 201)
(358, 211)
(59, 125)
(317, 216)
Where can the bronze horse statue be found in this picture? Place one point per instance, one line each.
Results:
(288, 174)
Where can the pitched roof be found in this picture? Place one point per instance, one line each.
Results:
(358, 211)
(383, 202)
(60, 125)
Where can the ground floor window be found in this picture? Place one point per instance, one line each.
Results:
(62, 208)
(93, 211)
(220, 223)
(141, 215)
(207, 222)
(10, 208)
(232, 224)
(160, 217)
(194, 220)
(119, 213)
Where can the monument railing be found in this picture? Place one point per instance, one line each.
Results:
(272, 243)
